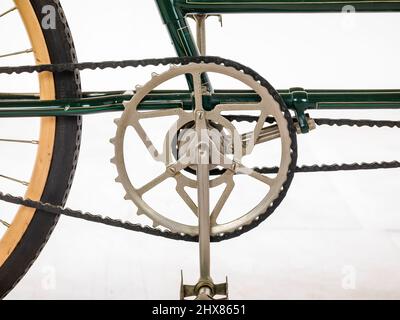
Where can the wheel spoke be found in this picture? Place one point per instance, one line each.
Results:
(5, 223)
(15, 180)
(7, 12)
(20, 141)
(16, 53)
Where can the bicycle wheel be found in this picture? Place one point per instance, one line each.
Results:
(57, 144)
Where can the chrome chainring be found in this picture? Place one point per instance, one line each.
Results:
(230, 159)
(101, 219)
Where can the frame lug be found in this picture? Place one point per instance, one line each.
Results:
(299, 101)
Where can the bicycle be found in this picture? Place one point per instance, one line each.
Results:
(205, 148)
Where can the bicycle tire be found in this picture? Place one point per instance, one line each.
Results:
(64, 159)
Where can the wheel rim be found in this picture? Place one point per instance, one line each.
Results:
(41, 168)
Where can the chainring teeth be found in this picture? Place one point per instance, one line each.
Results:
(73, 67)
(132, 115)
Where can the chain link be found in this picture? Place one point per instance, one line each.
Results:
(58, 210)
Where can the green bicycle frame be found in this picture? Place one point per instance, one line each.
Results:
(282, 6)
(174, 14)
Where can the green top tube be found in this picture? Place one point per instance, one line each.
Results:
(259, 6)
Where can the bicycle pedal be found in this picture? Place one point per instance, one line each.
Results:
(204, 290)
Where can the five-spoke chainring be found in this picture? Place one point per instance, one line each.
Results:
(228, 157)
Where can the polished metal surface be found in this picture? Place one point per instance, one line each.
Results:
(203, 188)
(231, 161)
(16, 53)
(201, 32)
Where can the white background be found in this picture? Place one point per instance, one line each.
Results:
(331, 227)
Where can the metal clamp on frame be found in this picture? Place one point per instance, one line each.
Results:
(299, 102)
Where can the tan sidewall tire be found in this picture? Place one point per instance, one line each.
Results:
(57, 153)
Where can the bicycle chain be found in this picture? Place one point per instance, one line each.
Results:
(329, 167)
(73, 67)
